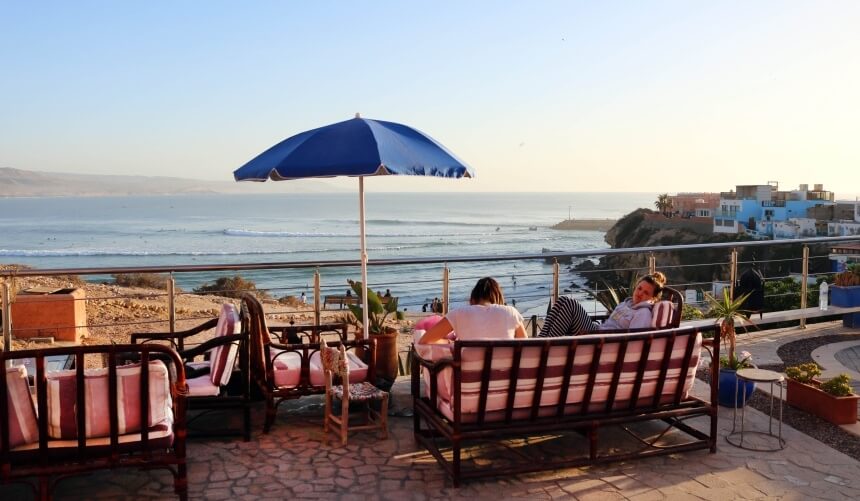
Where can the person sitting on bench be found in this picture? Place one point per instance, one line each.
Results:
(486, 317)
(568, 318)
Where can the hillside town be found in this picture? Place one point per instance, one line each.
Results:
(764, 212)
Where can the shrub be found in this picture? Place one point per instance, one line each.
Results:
(291, 301)
(690, 312)
(231, 287)
(803, 373)
(145, 280)
(840, 386)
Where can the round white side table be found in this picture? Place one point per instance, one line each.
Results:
(736, 436)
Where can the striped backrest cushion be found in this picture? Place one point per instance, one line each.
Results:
(62, 400)
(526, 376)
(223, 358)
(661, 314)
(23, 427)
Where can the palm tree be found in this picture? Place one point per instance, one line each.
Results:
(664, 204)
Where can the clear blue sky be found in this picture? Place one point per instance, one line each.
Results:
(559, 96)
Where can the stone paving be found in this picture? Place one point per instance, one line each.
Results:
(296, 460)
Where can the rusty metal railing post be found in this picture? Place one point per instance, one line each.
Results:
(171, 302)
(317, 304)
(556, 273)
(446, 273)
(7, 318)
(733, 271)
(803, 284)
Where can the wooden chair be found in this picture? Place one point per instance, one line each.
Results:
(227, 384)
(286, 371)
(335, 364)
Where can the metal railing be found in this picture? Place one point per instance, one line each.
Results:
(650, 263)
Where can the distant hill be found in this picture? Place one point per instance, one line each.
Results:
(26, 183)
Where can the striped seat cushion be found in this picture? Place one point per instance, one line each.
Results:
(62, 400)
(526, 377)
(223, 357)
(23, 427)
(661, 315)
(160, 436)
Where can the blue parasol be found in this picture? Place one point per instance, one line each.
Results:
(359, 147)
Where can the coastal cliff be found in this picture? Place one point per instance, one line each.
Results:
(647, 228)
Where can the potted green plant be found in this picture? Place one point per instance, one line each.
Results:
(845, 290)
(832, 400)
(378, 314)
(729, 313)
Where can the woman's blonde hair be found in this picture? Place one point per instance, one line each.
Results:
(487, 290)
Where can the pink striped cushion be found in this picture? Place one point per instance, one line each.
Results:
(223, 357)
(661, 314)
(433, 353)
(357, 369)
(23, 427)
(526, 377)
(62, 400)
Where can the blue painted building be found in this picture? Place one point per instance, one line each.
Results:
(754, 209)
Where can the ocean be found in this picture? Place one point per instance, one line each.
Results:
(225, 229)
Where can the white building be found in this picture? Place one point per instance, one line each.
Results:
(796, 227)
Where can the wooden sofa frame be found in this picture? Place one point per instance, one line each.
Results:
(432, 427)
(265, 348)
(49, 464)
(298, 334)
(239, 397)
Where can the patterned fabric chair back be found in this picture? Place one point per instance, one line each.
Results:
(334, 360)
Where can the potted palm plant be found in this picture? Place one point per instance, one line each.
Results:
(831, 400)
(379, 312)
(729, 313)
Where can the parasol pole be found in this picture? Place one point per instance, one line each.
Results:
(364, 325)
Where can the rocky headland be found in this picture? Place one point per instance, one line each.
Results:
(647, 228)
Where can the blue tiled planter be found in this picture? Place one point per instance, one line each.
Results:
(851, 320)
(845, 296)
(729, 394)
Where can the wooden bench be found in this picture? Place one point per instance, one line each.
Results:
(489, 389)
(339, 300)
(284, 371)
(342, 300)
(62, 431)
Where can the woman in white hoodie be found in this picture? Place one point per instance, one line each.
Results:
(569, 318)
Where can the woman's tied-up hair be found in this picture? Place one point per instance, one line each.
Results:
(487, 290)
(658, 280)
